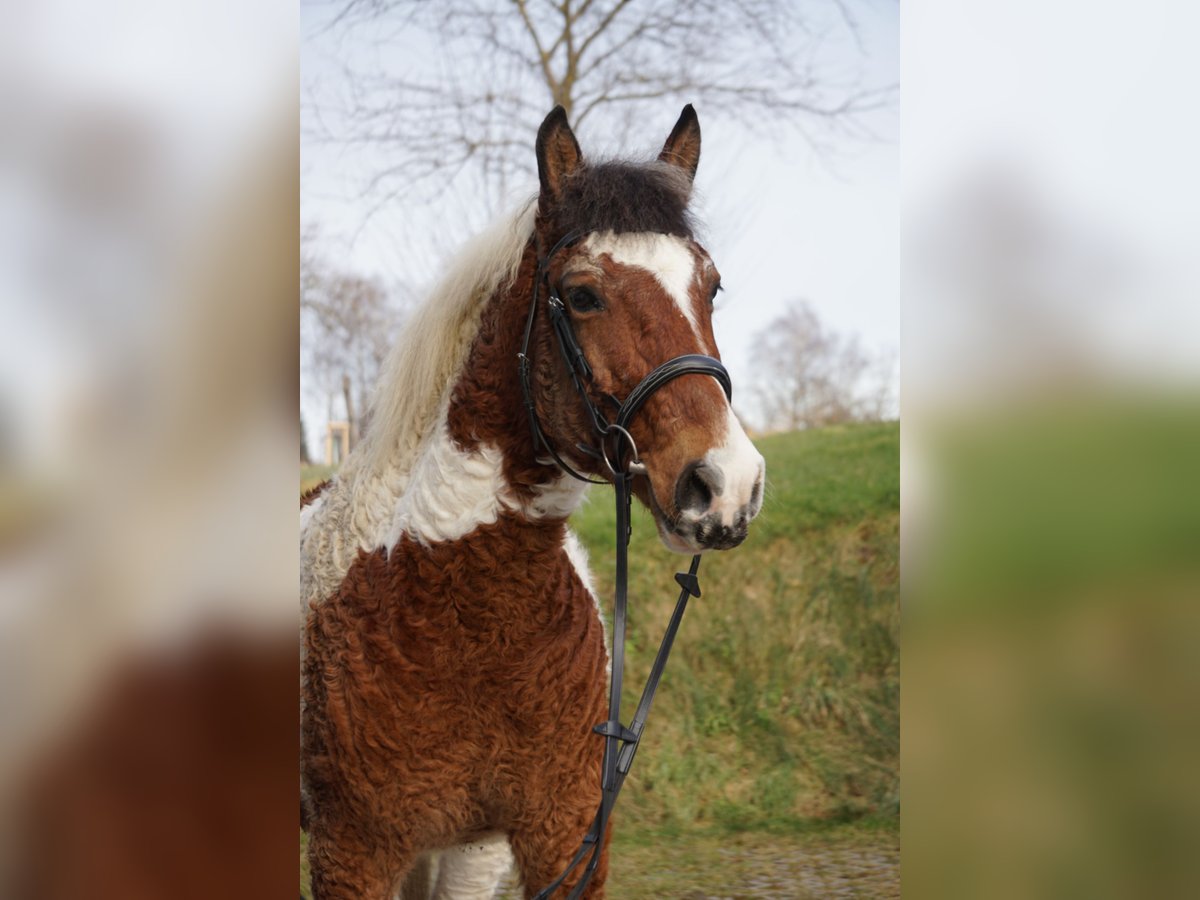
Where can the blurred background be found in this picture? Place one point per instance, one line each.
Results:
(1051, 511)
(159, 222)
(148, 281)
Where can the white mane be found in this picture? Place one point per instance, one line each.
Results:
(357, 509)
(435, 343)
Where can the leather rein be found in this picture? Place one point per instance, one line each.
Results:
(616, 449)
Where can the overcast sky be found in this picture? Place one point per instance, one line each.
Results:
(780, 221)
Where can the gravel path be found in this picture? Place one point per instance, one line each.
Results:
(755, 867)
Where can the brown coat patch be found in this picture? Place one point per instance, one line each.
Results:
(451, 691)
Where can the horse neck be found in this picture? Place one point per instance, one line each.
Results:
(478, 464)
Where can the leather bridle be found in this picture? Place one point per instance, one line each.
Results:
(614, 447)
(572, 353)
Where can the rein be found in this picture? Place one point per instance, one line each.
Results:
(620, 741)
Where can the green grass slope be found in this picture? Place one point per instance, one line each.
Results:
(780, 706)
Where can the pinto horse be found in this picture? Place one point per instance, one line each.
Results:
(454, 653)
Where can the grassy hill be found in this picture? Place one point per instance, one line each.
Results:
(780, 706)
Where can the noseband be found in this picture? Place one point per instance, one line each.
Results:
(612, 441)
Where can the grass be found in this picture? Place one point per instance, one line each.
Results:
(780, 706)
(777, 722)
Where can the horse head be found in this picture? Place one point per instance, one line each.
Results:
(622, 268)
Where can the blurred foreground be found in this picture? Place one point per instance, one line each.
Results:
(148, 283)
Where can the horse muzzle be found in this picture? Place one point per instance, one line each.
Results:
(717, 497)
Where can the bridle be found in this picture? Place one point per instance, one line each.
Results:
(612, 441)
(616, 430)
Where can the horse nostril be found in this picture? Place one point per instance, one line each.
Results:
(694, 489)
(756, 492)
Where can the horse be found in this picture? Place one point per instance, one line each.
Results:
(454, 653)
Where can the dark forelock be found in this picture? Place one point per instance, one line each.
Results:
(626, 197)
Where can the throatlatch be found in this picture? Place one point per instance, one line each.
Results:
(615, 447)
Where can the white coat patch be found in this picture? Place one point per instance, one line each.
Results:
(473, 871)
(450, 492)
(577, 554)
(307, 512)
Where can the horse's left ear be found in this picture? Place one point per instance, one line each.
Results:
(683, 146)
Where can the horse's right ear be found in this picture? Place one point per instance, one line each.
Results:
(558, 154)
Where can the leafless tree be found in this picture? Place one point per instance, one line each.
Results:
(880, 400)
(491, 69)
(347, 324)
(807, 376)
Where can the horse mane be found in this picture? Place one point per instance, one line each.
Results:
(434, 345)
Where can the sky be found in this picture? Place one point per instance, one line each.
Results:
(780, 220)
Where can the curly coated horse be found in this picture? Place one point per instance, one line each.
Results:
(454, 653)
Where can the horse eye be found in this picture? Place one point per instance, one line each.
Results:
(716, 290)
(583, 300)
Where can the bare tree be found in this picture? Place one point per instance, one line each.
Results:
(880, 398)
(493, 68)
(808, 376)
(347, 325)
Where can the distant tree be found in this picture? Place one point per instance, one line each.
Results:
(305, 459)
(807, 376)
(880, 398)
(347, 325)
(494, 69)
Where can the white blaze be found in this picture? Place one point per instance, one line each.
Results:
(667, 257)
